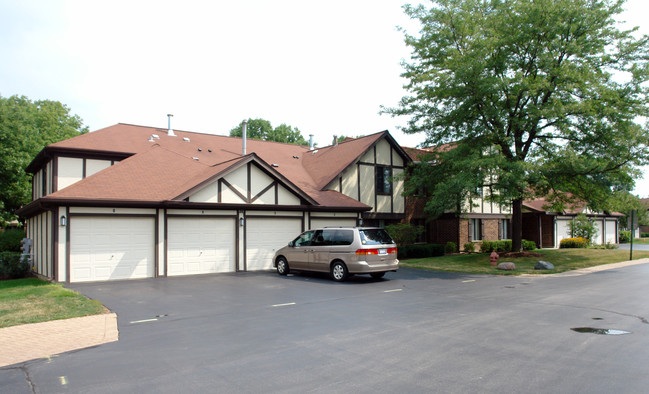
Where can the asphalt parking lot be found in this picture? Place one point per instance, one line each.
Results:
(413, 331)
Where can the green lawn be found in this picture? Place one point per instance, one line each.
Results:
(563, 260)
(641, 241)
(33, 300)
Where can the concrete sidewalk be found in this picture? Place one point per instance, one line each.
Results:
(41, 340)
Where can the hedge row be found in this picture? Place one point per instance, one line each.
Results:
(10, 240)
(579, 242)
(12, 266)
(419, 251)
(504, 246)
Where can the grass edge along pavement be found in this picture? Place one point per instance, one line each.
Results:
(32, 300)
(563, 260)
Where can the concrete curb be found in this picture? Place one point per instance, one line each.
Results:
(41, 340)
(590, 270)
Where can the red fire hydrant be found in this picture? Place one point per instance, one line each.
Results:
(493, 257)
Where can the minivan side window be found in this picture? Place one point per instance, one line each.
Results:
(304, 239)
(342, 237)
(328, 237)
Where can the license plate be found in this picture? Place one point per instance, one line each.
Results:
(383, 251)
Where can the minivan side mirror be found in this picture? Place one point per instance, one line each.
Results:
(290, 244)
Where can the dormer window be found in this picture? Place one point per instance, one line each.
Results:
(383, 180)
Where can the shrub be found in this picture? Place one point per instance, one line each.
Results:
(604, 246)
(486, 246)
(502, 246)
(420, 251)
(404, 233)
(583, 227)
(644, 235)
(529, 245)
(450, 247)
(10, 240)
(579, 242)
(469, 247)
(625, 236)
(12, 266)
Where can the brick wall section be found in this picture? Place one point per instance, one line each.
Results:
(442, 230)
(490, 230)
(464, 233)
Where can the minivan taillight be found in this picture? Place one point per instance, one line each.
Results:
(366, 252)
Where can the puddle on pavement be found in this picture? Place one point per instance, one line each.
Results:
(600, 331)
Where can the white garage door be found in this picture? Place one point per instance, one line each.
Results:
(563, 230)
(599, 236)
(332, 222)
(104, 248)
(200, 245)
(611, 232)
(264, 236)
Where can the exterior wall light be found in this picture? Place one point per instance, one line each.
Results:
(64, 221)
(241, 221)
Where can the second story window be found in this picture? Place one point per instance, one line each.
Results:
(383, 180)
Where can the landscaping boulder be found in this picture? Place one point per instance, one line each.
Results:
(543, 265)
(506, 266)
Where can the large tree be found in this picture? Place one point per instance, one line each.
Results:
(537, 97)
(262, 129)
(26, 127)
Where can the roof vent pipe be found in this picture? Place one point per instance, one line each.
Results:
(170, 132)
(335, 143)
(310, 141)
(244, 131)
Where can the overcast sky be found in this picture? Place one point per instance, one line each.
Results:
(324, 67)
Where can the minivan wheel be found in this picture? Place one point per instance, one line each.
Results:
(282, 266)
(377, 275)
(338, 271)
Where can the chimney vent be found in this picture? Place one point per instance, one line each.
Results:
(310, 141)
(335, 143)
(170, 132)
(244, 131)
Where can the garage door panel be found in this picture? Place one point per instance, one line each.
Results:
(104, 248)
(264, 236)
(201, 245)
(332, 222)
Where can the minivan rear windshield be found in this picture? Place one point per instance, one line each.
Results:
(375, 236)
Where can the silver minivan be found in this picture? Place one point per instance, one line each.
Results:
(340, 251)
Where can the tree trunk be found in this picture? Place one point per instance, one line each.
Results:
(517, 225)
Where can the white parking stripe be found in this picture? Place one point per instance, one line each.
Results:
(143, 321)
(287, 304)
(392, 291)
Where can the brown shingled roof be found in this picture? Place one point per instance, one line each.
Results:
(166, 167)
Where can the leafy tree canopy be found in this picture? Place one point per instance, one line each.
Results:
(261, 129)
(26, 127)
(624, 202)
(537, 96)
